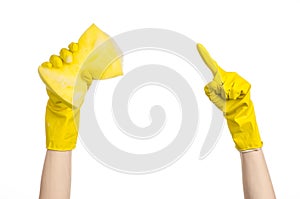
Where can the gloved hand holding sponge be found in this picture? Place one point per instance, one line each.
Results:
(231, 94)
(68, 77)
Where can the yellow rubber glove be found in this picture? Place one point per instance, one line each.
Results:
(231, 94)
(68, 77)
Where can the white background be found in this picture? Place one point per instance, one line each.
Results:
(258, 39)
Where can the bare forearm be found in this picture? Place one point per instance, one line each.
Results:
(56, 177)
(256, 179)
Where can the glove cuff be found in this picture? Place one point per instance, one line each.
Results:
(244, 128)
(61, 124)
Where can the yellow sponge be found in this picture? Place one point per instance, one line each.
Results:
(95, 56)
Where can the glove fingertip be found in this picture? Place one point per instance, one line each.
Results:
(66, 55)
(56, 61)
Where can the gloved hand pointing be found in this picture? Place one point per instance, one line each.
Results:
(231, 94)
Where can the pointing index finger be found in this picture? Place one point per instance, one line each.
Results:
(210, 62)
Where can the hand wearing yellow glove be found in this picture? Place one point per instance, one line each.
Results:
(68, 77)
(231, 94)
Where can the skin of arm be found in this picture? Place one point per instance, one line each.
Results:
(56, 176)
(256, 179)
